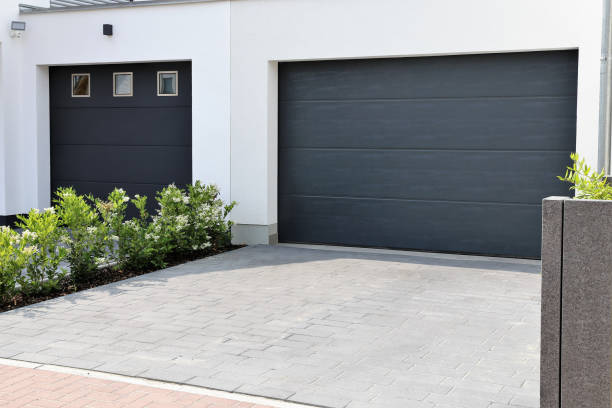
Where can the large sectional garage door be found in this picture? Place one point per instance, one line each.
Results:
(139, 142)
(450, 153)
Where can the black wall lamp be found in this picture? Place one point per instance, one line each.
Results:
(107, 29)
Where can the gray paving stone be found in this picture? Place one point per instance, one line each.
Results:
(321, 398)
(270, 392)
(330, 328)
(215, 383)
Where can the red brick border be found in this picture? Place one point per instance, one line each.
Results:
(32, 388)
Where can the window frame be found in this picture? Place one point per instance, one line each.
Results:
(159, 73)
(115, 95)
(88, 85)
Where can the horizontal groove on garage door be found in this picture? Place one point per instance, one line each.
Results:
(406, 199)
(463, 98)
(434, 153)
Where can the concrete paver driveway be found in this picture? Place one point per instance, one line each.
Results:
(328, 328)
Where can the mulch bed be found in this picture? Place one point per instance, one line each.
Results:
(103, 277)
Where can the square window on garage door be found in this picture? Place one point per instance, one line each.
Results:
(81, 85)
(123, 84)
(167, 83)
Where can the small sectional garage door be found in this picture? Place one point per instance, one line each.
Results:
(140, 142)
(439, 153)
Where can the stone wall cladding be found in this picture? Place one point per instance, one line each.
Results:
(576, 304)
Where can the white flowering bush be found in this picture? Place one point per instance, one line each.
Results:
(138, 246)
(87, 239)
(13, 257)
(89, 233)
(41, 234)
(112, 214)
(191, 221)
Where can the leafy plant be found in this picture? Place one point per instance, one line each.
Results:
(169, 228)
(112, 215)
(42, 233)
(138, 248)
(87, 241)
(13, 258)
(587, 183)
(190, 222)
(209, 216)
(88, 233)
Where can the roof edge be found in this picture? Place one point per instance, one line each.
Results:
(27, 9)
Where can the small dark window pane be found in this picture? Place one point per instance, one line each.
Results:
(80, 85)
(123, 84)
(167, 83)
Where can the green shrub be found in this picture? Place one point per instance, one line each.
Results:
(192, 221)
(138, 251)
(209, 215)
(13, 258)
(87, 240)
(88, 233)
(112, 215)
(587, 183)
(42, 231)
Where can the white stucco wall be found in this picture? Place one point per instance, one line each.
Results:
(264, 31)
(235, 46)
(198, 32)
(10, 85)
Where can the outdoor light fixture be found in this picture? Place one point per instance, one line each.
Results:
(107, 29)
(17, 28)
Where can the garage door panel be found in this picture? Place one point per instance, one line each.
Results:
(449, 153)
(140, 143)
(489, 176)
(521, 74)
(503, 229)
(122, 164)
(501, 123)
(170, 126)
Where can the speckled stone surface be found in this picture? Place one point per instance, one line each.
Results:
(586, 335)
(552, 224)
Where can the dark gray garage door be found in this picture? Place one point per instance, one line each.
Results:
(140, 142)
(439, 153)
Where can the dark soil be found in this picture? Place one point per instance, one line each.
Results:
(102, 277)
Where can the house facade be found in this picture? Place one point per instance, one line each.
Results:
(429, 125)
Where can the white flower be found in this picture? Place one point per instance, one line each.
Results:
(100, 261)
(92, 230)
(126, 199)
(29, 235)
(50, 210)
(186, 200)
(114, 238)
(205, 245)
(195, 247)
(30, 250)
